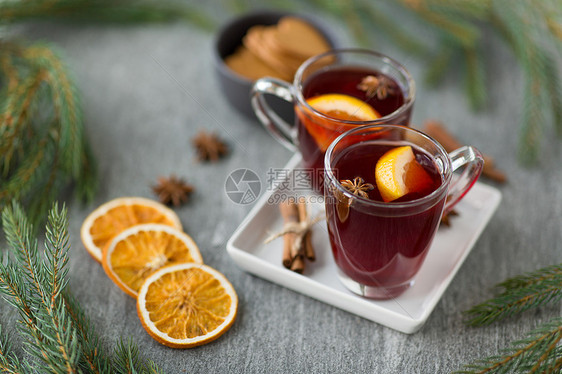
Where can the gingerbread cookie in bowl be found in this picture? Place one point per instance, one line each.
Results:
(278, 49)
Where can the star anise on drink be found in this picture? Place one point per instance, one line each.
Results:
(209, 146)
(357, 187)
(380, 86)
(172, 190)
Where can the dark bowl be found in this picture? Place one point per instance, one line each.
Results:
(235, 87)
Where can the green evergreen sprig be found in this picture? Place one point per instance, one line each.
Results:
(42, 142)
(539, 352)
(129, 360)
(518, 294)
(9, 362)
(42, 139)
(532, 29)
(52, 341)
(58, 336)
(95, 358)
(103, 11)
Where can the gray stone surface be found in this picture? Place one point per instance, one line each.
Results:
(147, 90)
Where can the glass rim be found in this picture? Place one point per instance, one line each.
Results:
(446, 174)
(408, 100)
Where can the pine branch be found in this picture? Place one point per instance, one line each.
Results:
(87, 183)
(532, 29)
(152, 368)
(57, 332)
(128, 360)
(15, 114)
(541, 77)
(94, 357)
(519, 294)
(440, 64)
(9, 71)
(56, 326)
(60, 338)
(478, 10)
(47, 191)
(455, 27)
(9, 362)
(378, 20)
(549, 273)
(54, 340)
(116, 11)
(539, 352)
(41, 132)
(19, 234)
(65, 103)
(14, 290)
(475, 79)
(32, 169)
(533, 118)
(352, 18)
(554, 91)
(347, 10)
(127, 357)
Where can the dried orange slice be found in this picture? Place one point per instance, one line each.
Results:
(397, 173)
(338, 107)
(116, 215)
(186, 305)
(140, 250)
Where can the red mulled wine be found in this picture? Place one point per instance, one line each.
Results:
(376, 246)
(316, 133)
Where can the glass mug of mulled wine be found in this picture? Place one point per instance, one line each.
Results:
(386, 188)
(332, 93)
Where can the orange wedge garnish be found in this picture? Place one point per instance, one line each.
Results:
(344, 107)
(397, 173)
(339, 107)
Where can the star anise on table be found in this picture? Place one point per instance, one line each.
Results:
(172, 190)
(446, 217)
(209, 146)
(379, 86)
(357, 186)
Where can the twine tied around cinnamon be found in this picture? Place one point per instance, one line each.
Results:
(296, 232)
(300, 229)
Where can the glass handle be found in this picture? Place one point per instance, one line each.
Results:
(275, 125)
(473, 162)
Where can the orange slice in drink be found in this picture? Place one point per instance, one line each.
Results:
(186, 305)
(141, 250)
(109, 219)
(339, 107)
(344, 107)
(397, 173)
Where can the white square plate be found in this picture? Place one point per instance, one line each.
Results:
(406, 313)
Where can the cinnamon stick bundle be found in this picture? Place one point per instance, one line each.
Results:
(296, 246)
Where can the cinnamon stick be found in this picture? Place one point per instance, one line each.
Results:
(436, 130)
(307, 241)
(298, 264)
(290, 213)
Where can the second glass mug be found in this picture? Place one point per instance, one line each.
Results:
(313, 131)
(378, 246)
